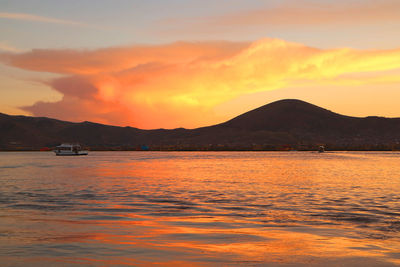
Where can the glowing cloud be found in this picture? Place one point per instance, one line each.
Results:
(179, 85)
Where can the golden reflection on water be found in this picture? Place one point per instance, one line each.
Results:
(173, 209)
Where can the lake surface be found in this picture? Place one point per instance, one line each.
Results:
(200, 209)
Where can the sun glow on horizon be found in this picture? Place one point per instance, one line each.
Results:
(181, 84)
(165, 64)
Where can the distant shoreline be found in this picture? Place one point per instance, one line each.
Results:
(231, 150)
(284, 125)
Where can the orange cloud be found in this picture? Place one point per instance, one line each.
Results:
(88, 62)
(180, 84)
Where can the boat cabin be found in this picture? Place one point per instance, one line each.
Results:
(66, 149)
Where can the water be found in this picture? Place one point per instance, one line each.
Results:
(200, 209)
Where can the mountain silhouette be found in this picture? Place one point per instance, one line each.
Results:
(286, 115)
(284, 124)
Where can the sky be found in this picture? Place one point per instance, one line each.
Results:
(188, 63)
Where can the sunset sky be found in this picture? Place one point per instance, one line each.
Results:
(191, 63)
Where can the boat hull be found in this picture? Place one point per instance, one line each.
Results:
(71, 153)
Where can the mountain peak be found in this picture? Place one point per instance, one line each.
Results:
(291, 103)
(280, 115)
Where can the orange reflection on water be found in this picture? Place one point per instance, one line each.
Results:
(206, 209)
(250, 180)
(236, 246)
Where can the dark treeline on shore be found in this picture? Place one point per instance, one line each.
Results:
(382, 147)
(284, 125)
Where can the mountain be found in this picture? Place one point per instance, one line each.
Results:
(284, 124)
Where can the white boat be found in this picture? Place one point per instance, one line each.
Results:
(70, 150)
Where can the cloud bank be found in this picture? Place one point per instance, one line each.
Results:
(180, 84)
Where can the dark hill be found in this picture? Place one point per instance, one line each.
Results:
(280, 125)
(286, 115)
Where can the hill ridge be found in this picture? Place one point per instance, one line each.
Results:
(285, 123)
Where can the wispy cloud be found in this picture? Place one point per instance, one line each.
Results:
(309, 12)
(35, 18)
(5, 46)
(297, 14)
